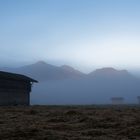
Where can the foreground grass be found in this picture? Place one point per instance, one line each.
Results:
(69, 123)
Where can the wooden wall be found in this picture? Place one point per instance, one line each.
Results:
(14, 98)
(14, 84)
(14, 92)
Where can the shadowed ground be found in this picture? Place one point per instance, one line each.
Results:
(70, 123)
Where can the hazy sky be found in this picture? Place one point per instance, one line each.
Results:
(82, 33)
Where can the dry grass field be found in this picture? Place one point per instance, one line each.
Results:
(70, 123)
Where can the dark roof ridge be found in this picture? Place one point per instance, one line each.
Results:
(16, 76)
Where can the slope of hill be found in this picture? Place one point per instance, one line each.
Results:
(42, 71)
(71, 70)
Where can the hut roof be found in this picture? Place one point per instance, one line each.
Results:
(14, 76)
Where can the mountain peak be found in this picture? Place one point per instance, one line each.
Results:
(72, 70)
(109, 71)
(66, 67)
(41, 62)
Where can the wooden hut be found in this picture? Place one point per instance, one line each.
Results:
(138, 99)
(15, 89)
(117, 100)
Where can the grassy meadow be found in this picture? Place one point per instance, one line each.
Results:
(70, 123)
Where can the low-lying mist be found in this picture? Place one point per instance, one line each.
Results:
(65, 85)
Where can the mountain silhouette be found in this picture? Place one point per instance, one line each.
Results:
(43, 71)
(109, 72)
(65, 85)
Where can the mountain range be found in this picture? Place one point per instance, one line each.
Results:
(42, 71)
(66, 85)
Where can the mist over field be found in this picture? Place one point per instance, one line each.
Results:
(65, 85)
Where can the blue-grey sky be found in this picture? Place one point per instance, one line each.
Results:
(83, 33)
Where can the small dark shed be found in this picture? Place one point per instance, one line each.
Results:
(117, 100)
(138, 99)
(15, 89)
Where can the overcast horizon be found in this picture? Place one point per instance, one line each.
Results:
(85, 34)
